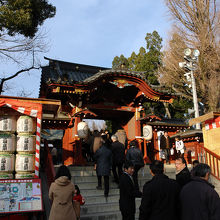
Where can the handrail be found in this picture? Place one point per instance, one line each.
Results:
(204, 155)
(49, 167)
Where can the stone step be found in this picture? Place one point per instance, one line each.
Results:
(106, 216)
(81, 168)
(101, 199)
(82, 179)
(92, 185)
(95, 192)
(99, 208)
(80, 173)
(107, 205)
(77, 173)
(88, 182)
(113, 215)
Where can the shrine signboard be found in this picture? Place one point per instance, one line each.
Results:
(20, 195)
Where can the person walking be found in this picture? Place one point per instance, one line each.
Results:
(118, 157)
(160, 196)
(183, 175)
(103, 158)
(198, 198)
(136, 157)
(127, 192)
(61, 194)
(165, 145)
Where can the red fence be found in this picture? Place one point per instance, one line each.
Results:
(204, 155)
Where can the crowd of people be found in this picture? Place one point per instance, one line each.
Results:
(189, 197)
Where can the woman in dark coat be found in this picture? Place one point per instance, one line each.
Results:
(103, 158)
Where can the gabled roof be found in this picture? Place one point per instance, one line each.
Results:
(62, 72)
(73, 77)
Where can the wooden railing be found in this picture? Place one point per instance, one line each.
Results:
(204, 155)
(48, 165)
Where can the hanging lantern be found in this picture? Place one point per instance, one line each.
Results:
(83, 130)
(147, 132)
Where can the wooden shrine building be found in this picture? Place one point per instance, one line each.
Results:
(94, 92)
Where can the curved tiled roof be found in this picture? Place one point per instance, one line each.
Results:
(60, 73)
(114, 72)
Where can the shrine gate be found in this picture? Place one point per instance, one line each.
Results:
(95, 92)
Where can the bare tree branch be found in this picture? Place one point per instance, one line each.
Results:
(197, 26)
(3, 80)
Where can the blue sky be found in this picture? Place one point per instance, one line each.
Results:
(93, 32)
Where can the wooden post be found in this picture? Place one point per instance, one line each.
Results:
(156, 147)
(77, 147)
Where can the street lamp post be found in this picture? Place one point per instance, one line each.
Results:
(190, 66)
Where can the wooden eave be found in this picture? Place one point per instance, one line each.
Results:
(204, 118)
(165, 124)
(150, 117)
(48, 105)
(85, 112)
(189, 133)
(132, 78)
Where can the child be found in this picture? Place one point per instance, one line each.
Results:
(77, 201)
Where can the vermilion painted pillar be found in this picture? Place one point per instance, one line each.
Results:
(77, 147)
(68, 147)
(72, 145)
(137, 128)
(156, 147)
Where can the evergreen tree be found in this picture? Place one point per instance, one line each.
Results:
(24, 16)
(148, 61)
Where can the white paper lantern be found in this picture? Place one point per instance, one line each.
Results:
(147, 132)
(83, 130)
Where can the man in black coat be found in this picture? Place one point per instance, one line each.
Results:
(135, 155)
(165, 145)
(183, 175)
(199, 200)
(127, 192)
(160, 196)
(118, 157)
(103, 158)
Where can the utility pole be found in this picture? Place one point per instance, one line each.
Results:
(190, 66)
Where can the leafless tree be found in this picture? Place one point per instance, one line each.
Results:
(197, 25)
(22, 51)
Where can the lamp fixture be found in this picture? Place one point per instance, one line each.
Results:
(196, 53)
(187, 52)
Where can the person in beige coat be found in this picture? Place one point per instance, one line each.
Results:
(61, 194)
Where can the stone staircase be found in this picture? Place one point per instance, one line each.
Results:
(97, 207)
